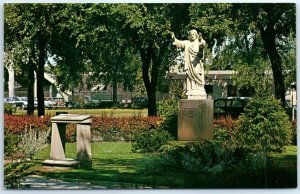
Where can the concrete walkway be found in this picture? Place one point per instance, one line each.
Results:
(39, 182)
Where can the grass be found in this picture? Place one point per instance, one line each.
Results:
(96, 112)
(115, 166)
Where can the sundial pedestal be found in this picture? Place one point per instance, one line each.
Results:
(58, 141)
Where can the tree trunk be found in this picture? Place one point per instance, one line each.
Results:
(115, 89)
(150, 85)
(151, 93)
(268, 38)
(40, 77)
(30, 90)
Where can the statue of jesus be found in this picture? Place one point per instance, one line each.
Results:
(193, 64)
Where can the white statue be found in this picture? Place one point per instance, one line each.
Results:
(193, 64)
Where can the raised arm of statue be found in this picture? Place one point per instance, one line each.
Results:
(173, 35)
(176, 42)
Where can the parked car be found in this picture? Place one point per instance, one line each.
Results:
(60, 102)
(18, 102)
(139, 102)
(73, 104)
(49, 103)
(230, 106)
(35, 103)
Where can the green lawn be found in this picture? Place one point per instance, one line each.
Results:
(115, 166)
(96, 112)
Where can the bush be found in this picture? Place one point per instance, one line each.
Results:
(9, 108)
(205, 156)
(225, 130)
(294, 133)
(71, 132)
(150, 141)
(18, 124)
(32, 141)
(226, 122)
(14, 174)
(116, 129)
(102, 128)
(264, 127)
(168, 111)
(11, 145)
(24, 135)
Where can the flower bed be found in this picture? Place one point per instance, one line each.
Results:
(116, 129)
(103, 128)
(18, 124)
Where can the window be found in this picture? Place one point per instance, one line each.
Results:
(220, 103)
(231, 90)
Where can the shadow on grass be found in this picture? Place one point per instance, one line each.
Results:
(115, 167)
(132, 174)
(111, 173)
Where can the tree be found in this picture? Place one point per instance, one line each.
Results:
(88, 42)
(271, 23)
(113, 59)
(29, 27)
(148, 27)
(276, 22)
(75, 35)
(14, 25)
(265, 129)
(67, 47)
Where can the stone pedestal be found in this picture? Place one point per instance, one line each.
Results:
(58, 140)
(199, 94)
(195, 120)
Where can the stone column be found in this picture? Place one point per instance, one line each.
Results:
(51, 91)
(11, 82)
(35, 86)
(84, 153)
(58, 141)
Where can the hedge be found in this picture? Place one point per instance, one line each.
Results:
(103, 128)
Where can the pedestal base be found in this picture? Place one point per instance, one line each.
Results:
(68, 162)
(195, 120)
(199, 94)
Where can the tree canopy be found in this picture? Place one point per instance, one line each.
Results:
(28, 30)
(113, 43)
(250, 33)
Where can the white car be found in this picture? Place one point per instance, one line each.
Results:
(49, 103)
(18, 102)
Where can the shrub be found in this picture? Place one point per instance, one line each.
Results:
(24, 135)
(205, 156)
(226, 122)
(264, 127)
(102, 128)
(294, 133)
(168, 111)
(14, 174)
(150, 141)
(11, 145)
(18, 124)
(32, 141)
(167, 107)
(225, 130)
(71, 132)
(9, 108)
(116, 129)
